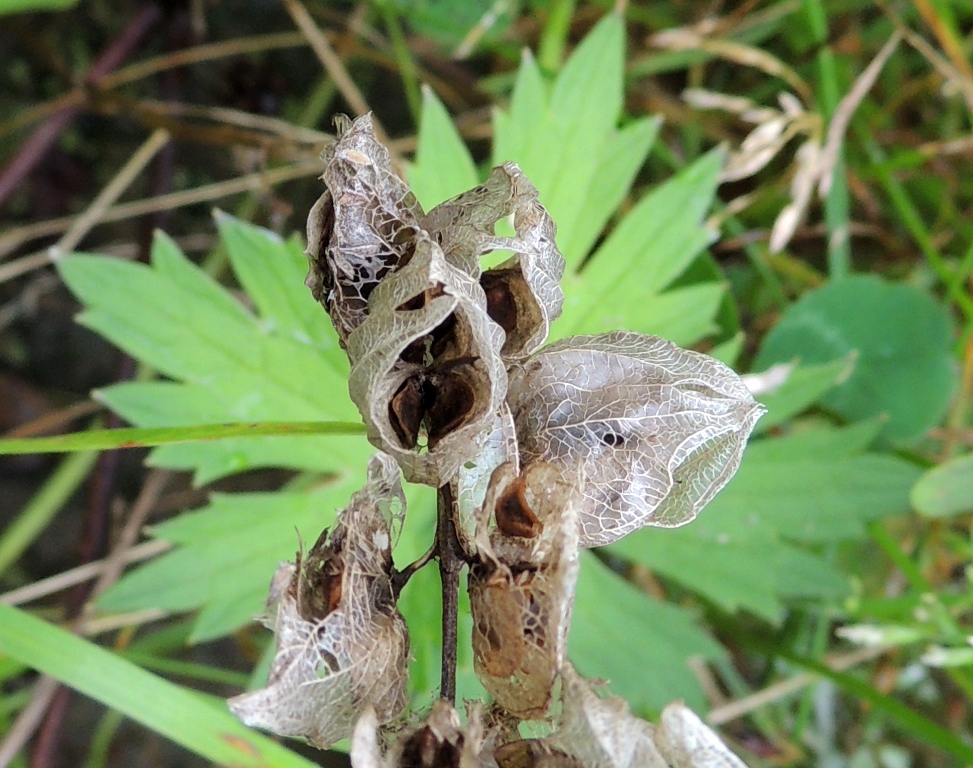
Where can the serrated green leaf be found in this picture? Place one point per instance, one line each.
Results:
(443, 167)
(621, 287)
(528, 105)
(945, 490)
(267, 267)
(814, 498)
(638, 644)
(186, 717)
(622, 155)
(737, 552)
(559, 147)
(233, 366)
(227, 553)
(905, 368)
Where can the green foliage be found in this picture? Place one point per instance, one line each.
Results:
(901, 336)
(946, 490)
(8, 7)
(865, 347)
(187, 717)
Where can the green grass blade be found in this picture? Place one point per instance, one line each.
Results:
(179, 714)
(108, 439)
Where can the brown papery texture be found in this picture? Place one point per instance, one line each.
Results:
(341, 643)
(655, 430)
(522, 585)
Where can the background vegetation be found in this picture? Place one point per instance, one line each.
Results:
(819, 610)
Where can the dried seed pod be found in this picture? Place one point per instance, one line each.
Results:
(341, 644)
(438, 741)
(523, 294)
(686, 742)
(426, 360)
(522, 585)
(601, 733)
(362, 228)
(656, 430)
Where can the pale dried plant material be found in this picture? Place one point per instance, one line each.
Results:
(427, 332)
(601, 732)
(655, 430)
(342, 645)
(816, 158)
(522, 584)
(686, 742)
(596, 732)
(426, 366)
(438, 741)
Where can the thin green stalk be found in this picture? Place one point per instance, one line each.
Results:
(836, 205)
(961, 676)
(912, 219)
(554, 38)
(403, 58)
(102, 739)
(41, 509)
(187, 669)
(109, 439)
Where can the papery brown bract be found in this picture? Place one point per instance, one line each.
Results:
(362, 228)
(427, 356)
(656, 430)
(522, 585)
(601, 733)
(524, 293)
(427, 332)
(686, 742)
(341, 644)
(438, 741)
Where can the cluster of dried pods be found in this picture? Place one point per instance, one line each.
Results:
(543, 450)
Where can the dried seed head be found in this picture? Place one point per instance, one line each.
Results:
(656, 430)
(522, 585)
(601, 733)
(438, 741)
(427, 334)
(341, 644)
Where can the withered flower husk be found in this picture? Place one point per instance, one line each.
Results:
(427, 333)
(438, 741)
(427, 357)
(656, 430)
(522, 585)
(341, 643)
(362, 228)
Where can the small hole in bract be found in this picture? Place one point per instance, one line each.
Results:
(613, 440)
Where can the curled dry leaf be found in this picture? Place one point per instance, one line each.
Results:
(426, 361)
(656, 430)
(686, 742)
(362, 228)
(438, 741)
(342, 645)
(522, 585)
(601, 733)
(427, 332)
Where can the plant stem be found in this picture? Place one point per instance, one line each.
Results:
(451, 561)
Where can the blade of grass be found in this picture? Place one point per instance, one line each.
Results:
(182, 715)
(910, 216)
(41, 509)
(109, 439)
(836, 204)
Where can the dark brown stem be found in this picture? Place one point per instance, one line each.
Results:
(451, 561)
(401, 578)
